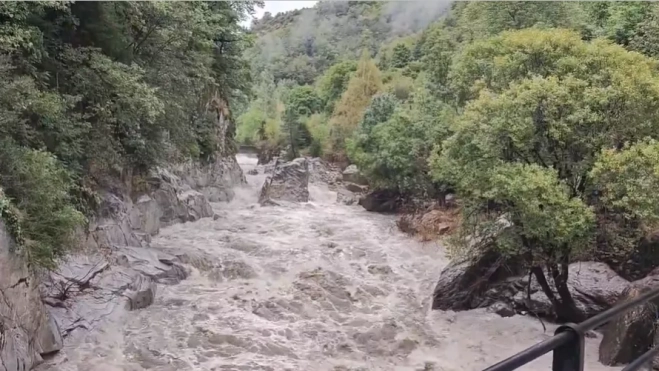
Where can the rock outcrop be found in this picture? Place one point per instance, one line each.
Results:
(27, 330)
(117, 271)
(634, 332)
(469, 283)
(631, 334)
(351, 174)
(289, 182)
(486, 279)
(594, 286)
(114, 270)
(381, 201)
(320, 171)
(215, 180)
(90, 288)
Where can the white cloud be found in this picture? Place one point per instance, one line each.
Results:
(275, 7)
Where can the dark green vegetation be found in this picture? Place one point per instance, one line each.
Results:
(93, 92)
(544, 114)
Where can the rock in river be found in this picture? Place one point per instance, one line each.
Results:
(380, 201)
(288, 182)
(485, 278)
(634, 332)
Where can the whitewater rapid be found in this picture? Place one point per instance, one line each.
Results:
(313, 286)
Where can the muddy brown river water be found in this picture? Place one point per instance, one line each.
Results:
(313, 286)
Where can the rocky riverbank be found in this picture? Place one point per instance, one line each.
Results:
(298, 286)
(484, 279)
(117, 271)
(113, 272)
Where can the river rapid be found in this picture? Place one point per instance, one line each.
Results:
(313, 286)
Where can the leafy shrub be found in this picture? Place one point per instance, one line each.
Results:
(38, 185)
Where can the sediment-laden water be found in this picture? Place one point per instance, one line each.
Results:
(314, 286)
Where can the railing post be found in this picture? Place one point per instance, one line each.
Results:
(569, 356)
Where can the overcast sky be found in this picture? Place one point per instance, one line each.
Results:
(275, 7)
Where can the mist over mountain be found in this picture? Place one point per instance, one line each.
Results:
(305, 42)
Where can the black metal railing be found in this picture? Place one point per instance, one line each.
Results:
(568, 342)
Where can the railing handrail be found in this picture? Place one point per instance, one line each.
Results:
(568, 342)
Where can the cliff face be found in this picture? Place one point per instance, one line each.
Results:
(27, 331)
(118, 271)
(115, 270)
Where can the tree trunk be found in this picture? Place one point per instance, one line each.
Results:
(568, 310)
(564, 306)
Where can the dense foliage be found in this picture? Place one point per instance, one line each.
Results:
(540, 113)
(96, 90)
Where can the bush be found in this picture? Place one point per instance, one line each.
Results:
(39, 186)
(320, 135)
(392, 144)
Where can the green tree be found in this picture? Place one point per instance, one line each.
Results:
(95, 91)
(401, 56)
(303, 101)
(392, 144)
(543, 105)
(363, 85)
(334, 82)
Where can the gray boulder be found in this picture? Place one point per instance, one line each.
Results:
(346, 197)
(196, 205)
(351, 174)
(381, 201)
(141, 293)
(474, 281)
(631, 334)
(288, 182)
(594, 286)
(486, 278)
(634, 332)
(502, 309)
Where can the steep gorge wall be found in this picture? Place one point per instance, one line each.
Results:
(118, 271)
(27, 329)
(114, 271)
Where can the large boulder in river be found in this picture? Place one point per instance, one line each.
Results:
(634, 332)
(351, 174)
(486, 278)
(631, 334)
(469, 282)
(288, 182)
(594, 286)
(381, 201)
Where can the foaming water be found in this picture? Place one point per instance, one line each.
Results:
(313, 286)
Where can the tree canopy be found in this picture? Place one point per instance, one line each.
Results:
(96, 89)
(542, 114)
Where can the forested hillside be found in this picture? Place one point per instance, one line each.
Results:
(541, 113)
(307, 56)
(95, 91)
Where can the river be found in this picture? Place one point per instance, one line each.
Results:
(314, 286)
